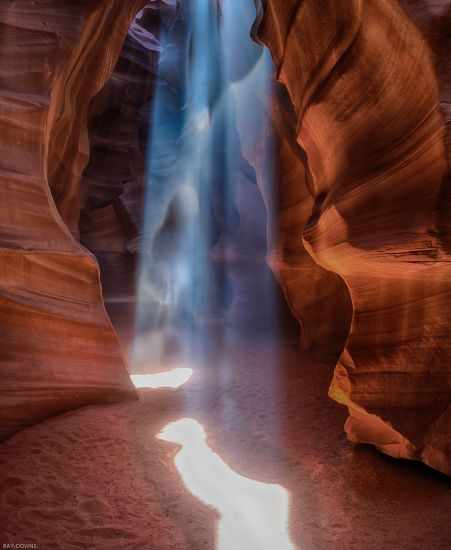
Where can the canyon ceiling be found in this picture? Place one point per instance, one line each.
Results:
(359, 230)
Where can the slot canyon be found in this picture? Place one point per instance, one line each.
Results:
(224, 281)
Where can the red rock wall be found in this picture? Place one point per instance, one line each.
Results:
(318, 298)
(365, 93)
(113, 183)
(59, 350)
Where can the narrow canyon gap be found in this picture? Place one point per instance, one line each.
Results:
(214, 217)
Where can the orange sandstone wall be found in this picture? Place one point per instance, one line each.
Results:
(58, 348)
(364, 89)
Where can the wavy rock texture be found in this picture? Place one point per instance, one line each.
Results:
(433, 18)
(318, 298)
(365, 94)
(113, 183)
(59, 350)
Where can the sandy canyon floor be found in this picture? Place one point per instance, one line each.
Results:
(100, 478)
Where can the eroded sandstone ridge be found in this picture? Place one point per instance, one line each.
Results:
(59, 350)
(366, 101)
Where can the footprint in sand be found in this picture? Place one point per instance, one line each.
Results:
(95, 506)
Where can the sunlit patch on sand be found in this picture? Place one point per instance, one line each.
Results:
(253, 515)
(169, 379)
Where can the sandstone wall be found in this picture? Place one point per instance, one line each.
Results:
(364, 88)
(58, 348)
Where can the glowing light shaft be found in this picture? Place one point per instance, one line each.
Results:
(170, 379)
